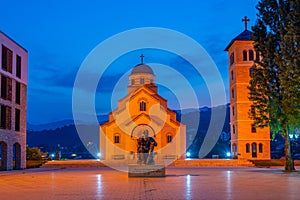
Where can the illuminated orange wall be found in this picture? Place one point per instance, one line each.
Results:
(241, 105)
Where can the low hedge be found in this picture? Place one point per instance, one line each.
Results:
(272, 162)
(34, 163)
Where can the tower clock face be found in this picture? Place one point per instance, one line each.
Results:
(140, 131)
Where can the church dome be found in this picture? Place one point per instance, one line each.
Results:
(142, 69)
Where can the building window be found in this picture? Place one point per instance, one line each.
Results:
(18, 93)
(117, 139)
(6, 85)
(253, 128)
(251, 55)
(3, 117)
(142, 106)
(233, 129)
(169, 138)
(5, 121)
(244, 55)
(247, 148)
(18, 66)
(233, 111)
(232, 75)
(260, 148)
(231, 58)
(17, 119)
(251, 72)
(142, 80)
(232, 93)
(7, 59)
(132, 82)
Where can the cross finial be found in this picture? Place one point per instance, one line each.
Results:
(246, 20)
(142, 58)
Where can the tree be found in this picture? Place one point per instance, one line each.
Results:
(33, 153)
(275, 83)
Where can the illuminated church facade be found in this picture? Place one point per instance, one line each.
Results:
(142, 110)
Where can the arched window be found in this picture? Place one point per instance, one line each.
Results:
(142, 81)
(244, 55)
(116, 138)
(232, 93)
(132, 82)
(169, 138)
(233, 111)
(247, 148)
(231, 58)
(260, 148)
(254, 150)
(3, 154)
(251, 55)
(232, 75)
(142, 106)
(17, 156)
(233, 129)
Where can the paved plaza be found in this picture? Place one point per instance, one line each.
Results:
(179, 183)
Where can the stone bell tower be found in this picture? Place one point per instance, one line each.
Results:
(247, 141)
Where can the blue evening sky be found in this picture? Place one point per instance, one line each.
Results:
(60, 34)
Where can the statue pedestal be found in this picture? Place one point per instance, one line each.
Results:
(136, 170)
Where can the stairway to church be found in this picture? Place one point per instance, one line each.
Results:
(214, 163)
(178, 163)
(73, 164)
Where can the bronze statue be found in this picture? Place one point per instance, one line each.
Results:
(145, 149)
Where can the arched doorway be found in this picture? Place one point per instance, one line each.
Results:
(17, 156)
(140, 129)
(234, 151)
(3, 155)
(254, 150)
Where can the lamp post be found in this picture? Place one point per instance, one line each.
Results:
(293, 138)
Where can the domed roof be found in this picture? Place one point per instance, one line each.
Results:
(142, 69)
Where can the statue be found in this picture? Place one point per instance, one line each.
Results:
(145, 149)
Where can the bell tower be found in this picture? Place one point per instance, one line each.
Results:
(247, 141)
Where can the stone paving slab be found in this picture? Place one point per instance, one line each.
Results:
(179, 183)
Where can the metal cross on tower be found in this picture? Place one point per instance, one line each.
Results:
(142, 58)
(246, 20)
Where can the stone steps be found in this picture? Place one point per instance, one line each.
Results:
(213, 163)
(73, 164)
(179, 163)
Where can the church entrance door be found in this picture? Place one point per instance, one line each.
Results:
(254, 150)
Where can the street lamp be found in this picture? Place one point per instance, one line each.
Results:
(293, 137)
(98, 156)
(188, 154)
(228, 154)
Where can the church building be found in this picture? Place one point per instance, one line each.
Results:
(141, 111)
(247, 141)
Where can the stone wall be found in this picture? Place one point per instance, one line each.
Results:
(12, 130)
